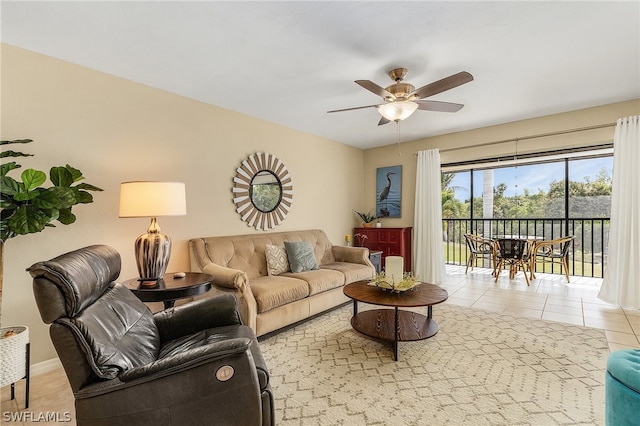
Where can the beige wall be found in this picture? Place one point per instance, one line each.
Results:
(477, 144)
(115, 130)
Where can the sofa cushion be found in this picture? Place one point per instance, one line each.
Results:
(272, 292)
(352, 271)
(319, 280)
(277, 261)
(301, 257)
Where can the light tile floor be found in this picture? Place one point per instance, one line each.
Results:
(548, 297)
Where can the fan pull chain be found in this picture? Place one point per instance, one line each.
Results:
(398, 140)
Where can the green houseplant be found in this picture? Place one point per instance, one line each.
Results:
(367, 218)
(27, 207)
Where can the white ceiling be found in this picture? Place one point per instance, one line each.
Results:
(290, 62)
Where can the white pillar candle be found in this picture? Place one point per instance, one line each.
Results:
(394, 269)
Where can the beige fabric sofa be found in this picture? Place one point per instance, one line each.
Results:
(267, 303)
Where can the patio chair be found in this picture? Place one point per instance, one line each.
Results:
(515, 253)
(480, 247)
(551, 251)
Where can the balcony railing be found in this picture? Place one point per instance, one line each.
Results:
(587, 257)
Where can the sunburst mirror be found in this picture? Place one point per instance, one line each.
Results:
(262, 191)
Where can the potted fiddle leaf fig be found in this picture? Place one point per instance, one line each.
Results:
(28, 207)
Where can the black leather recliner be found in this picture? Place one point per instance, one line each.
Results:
(191, 365)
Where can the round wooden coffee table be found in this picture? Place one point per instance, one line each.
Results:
(395, 325)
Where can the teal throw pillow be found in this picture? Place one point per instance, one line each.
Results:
(301, 257)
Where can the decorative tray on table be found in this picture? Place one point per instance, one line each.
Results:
(409, 282)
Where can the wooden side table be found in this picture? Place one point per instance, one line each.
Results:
(168, 289)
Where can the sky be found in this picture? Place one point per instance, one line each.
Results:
(533, 177)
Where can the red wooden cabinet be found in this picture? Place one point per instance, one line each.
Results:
(391, 241)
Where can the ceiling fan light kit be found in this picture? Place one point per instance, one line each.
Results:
(403, 99)
(397, 111)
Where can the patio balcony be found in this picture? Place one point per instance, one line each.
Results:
(587, 255)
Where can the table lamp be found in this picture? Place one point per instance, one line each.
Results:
(152, 199)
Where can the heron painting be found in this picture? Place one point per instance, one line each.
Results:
(388, 191)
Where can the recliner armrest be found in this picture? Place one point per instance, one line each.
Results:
(198, 315)
(187, 359)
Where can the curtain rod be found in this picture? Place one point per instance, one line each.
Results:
(540, 135)
(543, 155)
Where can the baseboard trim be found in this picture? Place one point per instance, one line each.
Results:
(45, 366)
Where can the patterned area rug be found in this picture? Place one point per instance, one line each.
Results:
(482, 368)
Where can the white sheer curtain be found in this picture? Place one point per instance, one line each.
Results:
(621, 285)
(427, 230)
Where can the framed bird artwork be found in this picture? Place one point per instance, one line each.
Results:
(388, 191)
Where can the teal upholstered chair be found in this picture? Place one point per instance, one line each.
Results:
(622, 388)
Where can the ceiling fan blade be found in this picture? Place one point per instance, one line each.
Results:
(350, 109)
(374, 88)
(383, 121)
(442, 85)
(438, 106)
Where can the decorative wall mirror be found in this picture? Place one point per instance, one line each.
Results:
(262, 191)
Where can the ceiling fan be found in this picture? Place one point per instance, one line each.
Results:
(402, 99)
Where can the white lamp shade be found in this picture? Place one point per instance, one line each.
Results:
(152, 199)
(396, 111)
